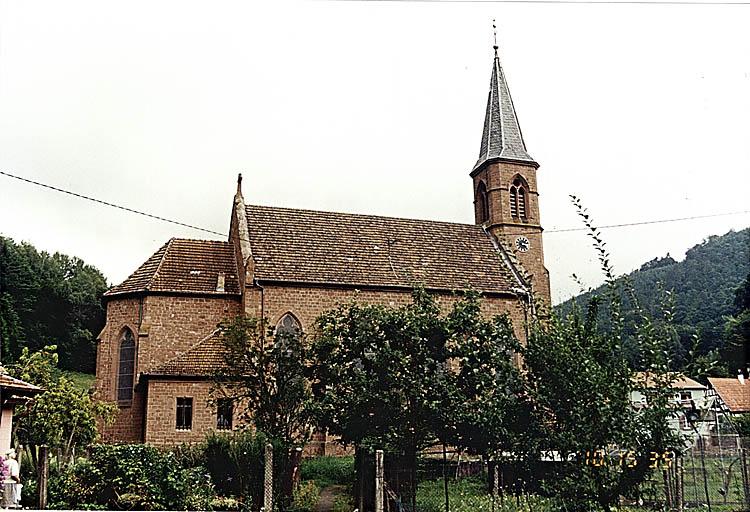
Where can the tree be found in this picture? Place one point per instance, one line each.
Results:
(405, 378)
(264, 373)
(737, 329)
(580, 382)
(47, 299)
(62, 416)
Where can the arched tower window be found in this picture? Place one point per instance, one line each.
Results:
(126, 369)
(518, 198)
(288, 323)
(483, 205)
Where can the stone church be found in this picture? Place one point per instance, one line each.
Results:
(160, 344)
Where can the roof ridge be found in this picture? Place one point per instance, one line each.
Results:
(364, 215)
(168, 245)
(199, 240)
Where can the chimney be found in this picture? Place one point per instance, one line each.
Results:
(220, 282)
(741, 377)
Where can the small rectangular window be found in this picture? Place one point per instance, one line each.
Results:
(184, 413)
(224, 410)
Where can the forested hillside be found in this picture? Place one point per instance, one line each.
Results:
(49, 300)
(705, 288)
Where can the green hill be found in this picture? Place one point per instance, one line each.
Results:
(705, 291)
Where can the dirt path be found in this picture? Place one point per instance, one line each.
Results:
(328, 496)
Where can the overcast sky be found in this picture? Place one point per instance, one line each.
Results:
(641, 110)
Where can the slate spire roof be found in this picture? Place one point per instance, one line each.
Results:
(501, 137)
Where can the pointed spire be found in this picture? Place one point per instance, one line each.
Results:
(501, 137)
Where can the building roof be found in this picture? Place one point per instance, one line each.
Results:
(184, 266)
(501, 137)
(203, 360)
(680, 381)
(17, 386)
(734, 394)
(307, 246)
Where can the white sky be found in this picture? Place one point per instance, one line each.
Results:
(641, 110)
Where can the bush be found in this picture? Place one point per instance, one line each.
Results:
(327, 470)
(305, 498)
(130, 477)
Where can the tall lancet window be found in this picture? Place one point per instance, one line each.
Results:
(126, 368)
(483, 205)
(518, 198)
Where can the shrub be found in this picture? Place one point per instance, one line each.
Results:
(305, 498)
(128, 477)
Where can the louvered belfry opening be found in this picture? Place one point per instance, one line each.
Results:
(126, 369)
(518, 199)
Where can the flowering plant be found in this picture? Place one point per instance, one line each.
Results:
(4, 469)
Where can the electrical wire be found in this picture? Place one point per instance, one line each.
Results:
(213, 232)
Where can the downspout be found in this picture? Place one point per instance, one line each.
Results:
(262, 308)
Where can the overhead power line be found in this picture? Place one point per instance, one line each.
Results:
(113, 205)
(587, 2)
(213, 232)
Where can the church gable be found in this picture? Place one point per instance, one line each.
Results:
(304, 246)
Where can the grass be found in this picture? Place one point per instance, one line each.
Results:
(470, 494)
(327, 470)
(83, 381)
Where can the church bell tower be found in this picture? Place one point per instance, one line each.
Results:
(506, 197)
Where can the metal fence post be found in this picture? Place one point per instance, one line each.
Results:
(268, 479)
(379, 481)
(745, 476)
(679, 487)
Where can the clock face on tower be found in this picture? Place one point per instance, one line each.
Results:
(522, 244)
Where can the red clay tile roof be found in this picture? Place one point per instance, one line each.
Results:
(184, 266)
(17, 385)
(203, 359)
(340, 248)
(736, 396)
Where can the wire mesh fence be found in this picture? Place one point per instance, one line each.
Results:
(711, 475)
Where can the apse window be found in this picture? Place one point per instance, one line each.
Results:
(224, 410)
(184, 413)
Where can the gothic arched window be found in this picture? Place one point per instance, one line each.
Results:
(126, 368)
(518, 198)
(483, 205)
(288, 323)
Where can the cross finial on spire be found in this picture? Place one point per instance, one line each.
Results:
(494, 35)
(239, 183)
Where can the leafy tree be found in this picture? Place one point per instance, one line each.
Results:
(580, 382)
(264, 372)
(402, 379)
(737, 329)
(47, 299)
(62, 416)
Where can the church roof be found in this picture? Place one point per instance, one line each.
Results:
(305, 246)
(202, 359)
(185, 266)
(501, 137)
